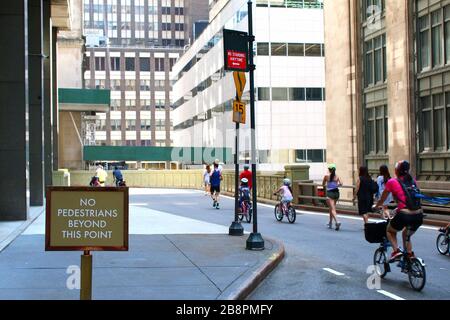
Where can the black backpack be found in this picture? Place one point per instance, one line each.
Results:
(410, 189)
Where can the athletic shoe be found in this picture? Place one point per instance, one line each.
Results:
(395, 255)
(338, 226)
(214, 204)
(411, 255)
(329, 225)
(217, 206)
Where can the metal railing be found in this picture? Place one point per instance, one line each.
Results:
(312, 191)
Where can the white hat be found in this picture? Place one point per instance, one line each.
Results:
(216, 161)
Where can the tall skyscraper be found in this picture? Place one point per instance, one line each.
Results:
(131, 46)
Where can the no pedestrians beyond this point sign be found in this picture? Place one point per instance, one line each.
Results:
(84, 218)
(235, 45)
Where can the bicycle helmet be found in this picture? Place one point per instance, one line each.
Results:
(287, 182)
(246, 166)
(244, 180)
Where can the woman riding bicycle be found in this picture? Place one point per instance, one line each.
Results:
(409, 214)
(285, 191)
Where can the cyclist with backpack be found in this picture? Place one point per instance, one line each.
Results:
(244, 191)
(409, 212)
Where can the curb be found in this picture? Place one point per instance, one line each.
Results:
(18, 231)
(244, 289)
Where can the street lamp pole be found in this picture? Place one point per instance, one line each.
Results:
(236, 228)
(255, 240)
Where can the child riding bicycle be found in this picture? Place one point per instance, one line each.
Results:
(285, 191)
(244, 192)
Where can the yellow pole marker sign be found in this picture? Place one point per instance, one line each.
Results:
(239, 83)
(86, 218)
(239, 112)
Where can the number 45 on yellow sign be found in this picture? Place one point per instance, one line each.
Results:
(239, 111)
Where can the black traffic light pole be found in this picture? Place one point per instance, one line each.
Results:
(255, 240)
(236, 228)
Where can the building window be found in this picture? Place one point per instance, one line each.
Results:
(426, 109)
(179, 26)
(144, 64)
(296, 49)
(116, 125)
(115, 63)
(375, 61)
(436, 37)
(297, 94)
(115, 104)
(279, 49)
(263, 94)
(439, 121)
(100, 84)
(262, 49)
(130, 85)
(313, 50)
(424, 43)
(145, 85)
(312, 155)
(179, 11)
(129, 64)
(172, 62)
(114, 84)
(100, 124)
(165, 10)
(313, 94)
(146, 104)
(178, 42)
(130, 104)
(146, 143)
(166, 26)
(279, 94)
(159, 64)
(145, 125)
(160, 125)
(100, 63)
(130, 125)
(376, 130)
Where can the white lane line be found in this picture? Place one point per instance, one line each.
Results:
(390, 295)
(334, 271)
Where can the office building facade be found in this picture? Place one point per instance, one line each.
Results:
(387, 78)
(289, 81)
(131, 47)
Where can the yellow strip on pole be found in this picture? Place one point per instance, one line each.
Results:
(86, 276)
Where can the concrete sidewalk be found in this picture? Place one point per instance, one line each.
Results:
(203, 263)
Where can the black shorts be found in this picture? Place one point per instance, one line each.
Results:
(402, 220)
(215, 189)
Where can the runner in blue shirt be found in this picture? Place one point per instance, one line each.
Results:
(215, 179)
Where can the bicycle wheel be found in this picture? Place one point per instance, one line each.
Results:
(278, 213)
(380, 262)
(248, 217)
(291, 215)
(442, 243)
(416, 274)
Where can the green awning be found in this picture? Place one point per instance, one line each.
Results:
(177, 154)
(72, 99)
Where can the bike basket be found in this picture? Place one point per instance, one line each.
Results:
(375, 232)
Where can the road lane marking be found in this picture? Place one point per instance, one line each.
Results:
(334, 272)
(390, 295)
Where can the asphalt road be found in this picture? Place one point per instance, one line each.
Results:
(320, 263)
